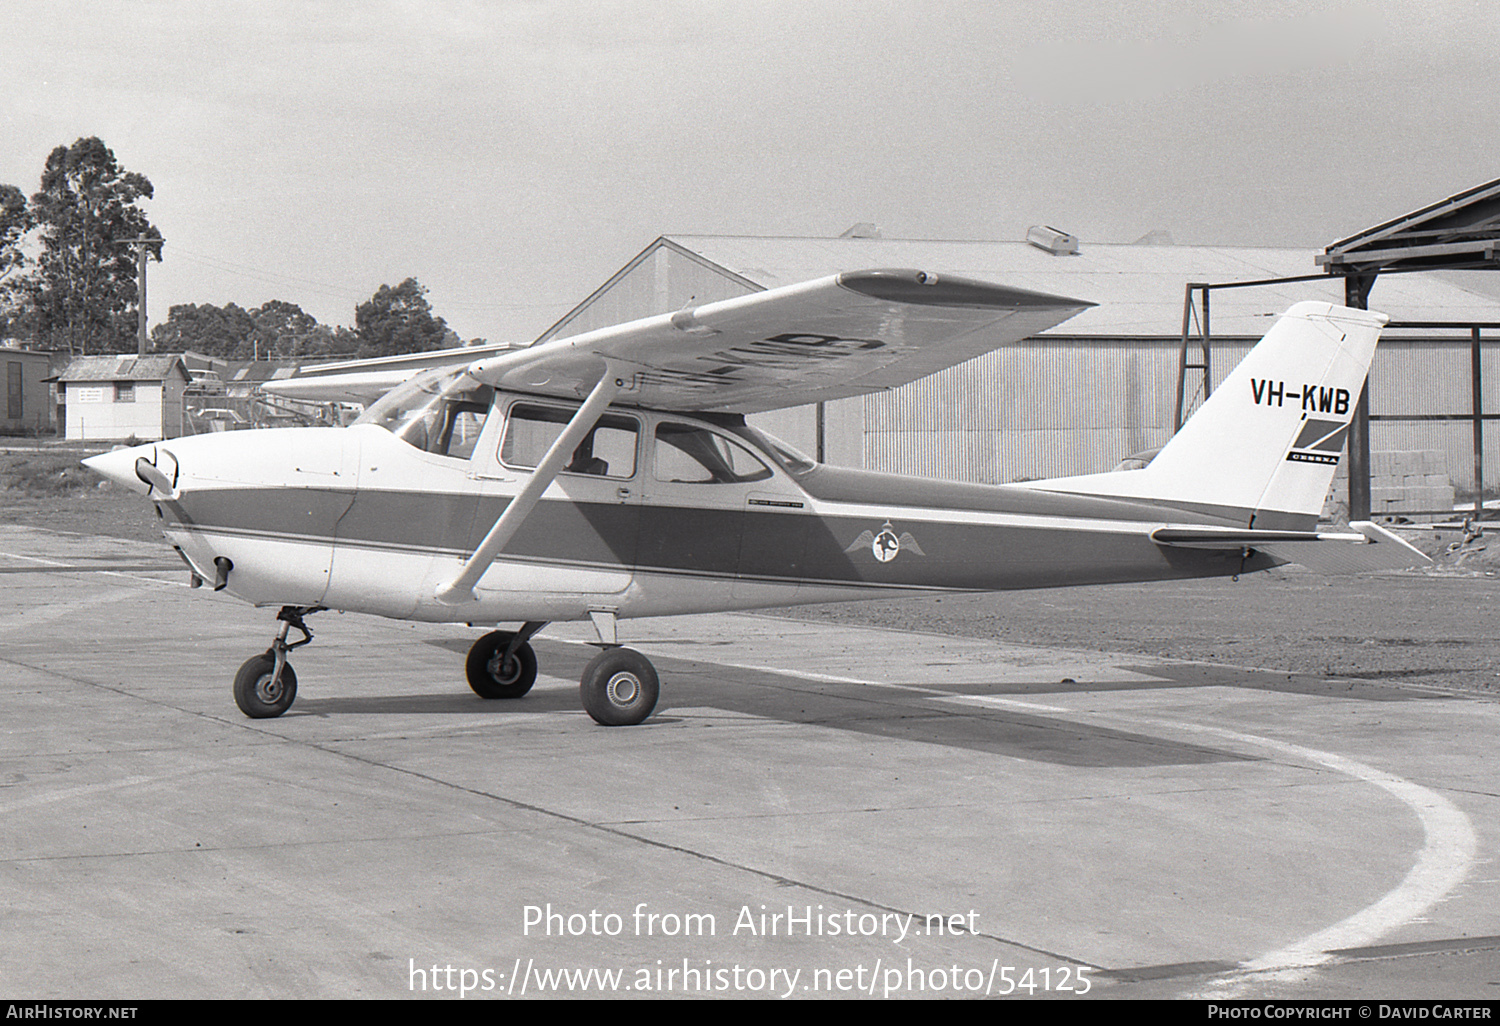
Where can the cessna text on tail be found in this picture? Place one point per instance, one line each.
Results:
(613, 475)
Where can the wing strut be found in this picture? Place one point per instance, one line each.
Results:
(461, 588)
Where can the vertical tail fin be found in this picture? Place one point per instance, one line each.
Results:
(1263, 448)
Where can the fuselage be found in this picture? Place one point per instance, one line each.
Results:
(657, 513)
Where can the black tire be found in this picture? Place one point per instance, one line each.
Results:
(488, 678)
(253, 692)
(619, 687)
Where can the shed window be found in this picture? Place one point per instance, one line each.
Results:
(124, 391)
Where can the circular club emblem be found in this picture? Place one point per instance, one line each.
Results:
(886, 545)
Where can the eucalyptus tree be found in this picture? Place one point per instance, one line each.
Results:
(83, 289)
(15, 223)
(400, 320)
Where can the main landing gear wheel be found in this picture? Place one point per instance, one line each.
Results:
(619, 687)
(492, 675)
(259, 693)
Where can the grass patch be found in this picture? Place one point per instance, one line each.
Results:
(44, 473)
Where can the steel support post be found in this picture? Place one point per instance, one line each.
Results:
(1357, 294)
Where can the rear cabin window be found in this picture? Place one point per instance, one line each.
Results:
(606, 451)
(686, 454)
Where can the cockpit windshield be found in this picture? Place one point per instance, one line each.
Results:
(440, 412)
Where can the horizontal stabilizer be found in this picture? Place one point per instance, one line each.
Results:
(1370, 548)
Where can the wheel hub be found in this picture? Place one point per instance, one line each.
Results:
(623, 688)
(505, 671)
(268, 689)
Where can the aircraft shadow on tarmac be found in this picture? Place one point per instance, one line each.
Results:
(541, 699)
(875, 710)
(1203, 675)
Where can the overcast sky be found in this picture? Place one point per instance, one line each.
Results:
(512, 154)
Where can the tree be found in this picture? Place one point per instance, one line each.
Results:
(207, 329)
(325, 341)
(83, 291)
(273, 331)
(15, 222)
(282, 331)
(399, 320)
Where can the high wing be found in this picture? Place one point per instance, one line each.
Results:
(844, 335)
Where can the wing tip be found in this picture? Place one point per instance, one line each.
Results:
(923, 288)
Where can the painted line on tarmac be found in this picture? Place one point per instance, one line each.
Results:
(82, 568)
(830, 678)
(55, 566)
(780, 671)
(1447, 855)
(1446, 858)
(991, 701)
(88, 790)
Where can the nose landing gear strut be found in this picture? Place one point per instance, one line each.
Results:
(266, 685)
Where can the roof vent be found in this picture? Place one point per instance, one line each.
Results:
(863, 230)
(1053, 241)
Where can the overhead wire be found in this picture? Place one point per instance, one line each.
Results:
(275, 278)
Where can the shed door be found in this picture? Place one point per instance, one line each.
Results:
(14, 386)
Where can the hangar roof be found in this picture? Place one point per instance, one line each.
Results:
(1460, 231)
(1138, 288)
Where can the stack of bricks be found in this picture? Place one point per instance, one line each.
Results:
(1401, 481)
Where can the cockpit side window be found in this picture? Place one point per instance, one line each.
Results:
(459, 429)
(688, 454)
(606, 451)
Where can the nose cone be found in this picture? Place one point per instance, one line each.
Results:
(118, 466)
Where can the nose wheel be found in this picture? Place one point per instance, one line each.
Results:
(266, 685)
(260, 691)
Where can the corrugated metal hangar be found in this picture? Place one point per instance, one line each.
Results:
(1102, 386)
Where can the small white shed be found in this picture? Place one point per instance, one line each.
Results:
(117, 398)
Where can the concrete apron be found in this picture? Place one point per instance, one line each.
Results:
(812, 811)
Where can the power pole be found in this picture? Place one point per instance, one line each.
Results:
(140, 245)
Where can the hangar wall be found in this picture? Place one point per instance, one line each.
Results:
(28, 405)
(1044, 408)
(1073, 406)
